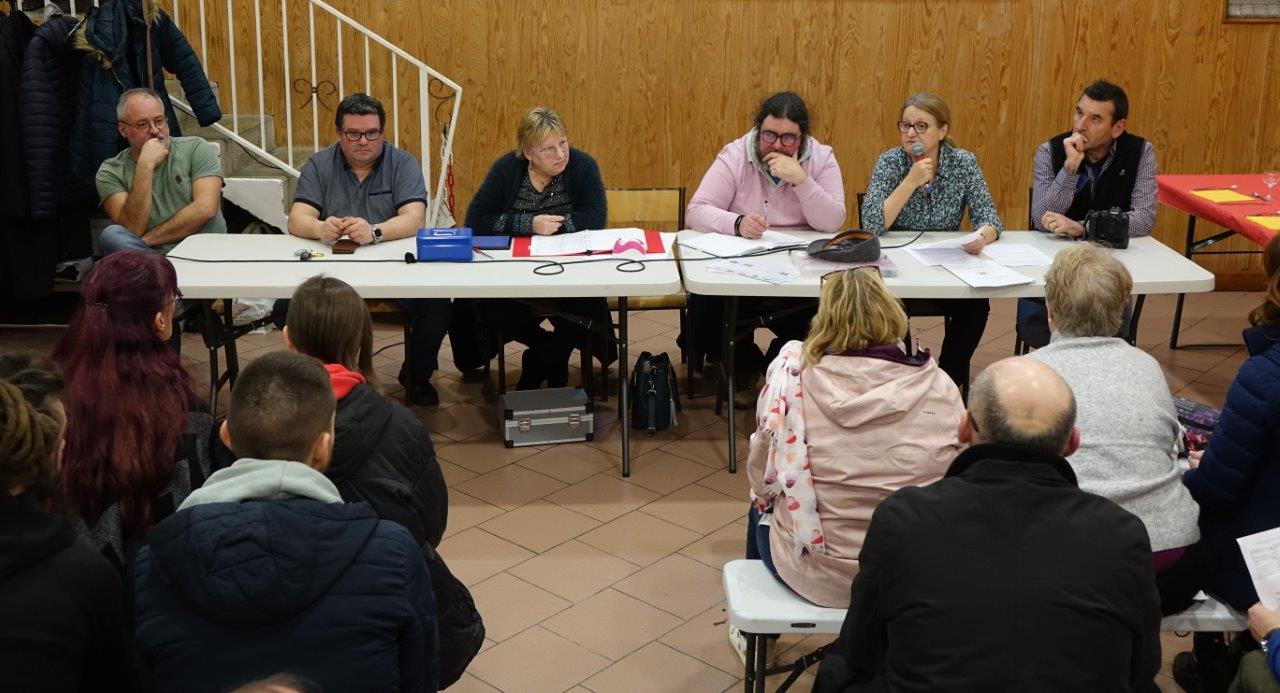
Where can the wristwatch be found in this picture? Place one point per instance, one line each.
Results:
(377, 234)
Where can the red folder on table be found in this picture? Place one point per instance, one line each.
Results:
(652, 245)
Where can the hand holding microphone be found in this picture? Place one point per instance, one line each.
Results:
(921, 173)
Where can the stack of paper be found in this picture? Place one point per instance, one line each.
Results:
(1262, 557)
(762, 269)
(944, 251)
(1017, 255)
(810, 266)
(722, 245)
(1222, 195)
(980, 272)
(598, 241)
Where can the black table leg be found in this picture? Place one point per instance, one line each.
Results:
(624, 403)
(1194, 247)
(1177, 310)
(726, 359)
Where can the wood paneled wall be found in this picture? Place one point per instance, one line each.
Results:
(654, 88)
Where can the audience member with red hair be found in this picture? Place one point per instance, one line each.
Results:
(138, 436)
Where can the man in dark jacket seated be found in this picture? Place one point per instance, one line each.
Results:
(1004, 575)
(264, 568)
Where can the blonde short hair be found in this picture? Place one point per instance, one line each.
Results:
(1086, 288)
(855, 311)
(535, 126)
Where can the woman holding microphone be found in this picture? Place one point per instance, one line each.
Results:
(926, 184)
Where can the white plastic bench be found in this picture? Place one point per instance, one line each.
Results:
(760, 605)
(1206, 614)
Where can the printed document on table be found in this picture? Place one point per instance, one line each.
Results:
(724, 245)
(952, 242)
(977, 272)
(762, 269)
(939, 256)
(559, 244)
(1017, 255)
(1262, 557)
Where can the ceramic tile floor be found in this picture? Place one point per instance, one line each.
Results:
(588, 581)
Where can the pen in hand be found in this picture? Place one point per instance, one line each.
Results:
(766, 214)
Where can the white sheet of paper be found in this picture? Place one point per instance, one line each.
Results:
(977, 272)
(1017, 255)
(765, 270)
(724, 245)
(1262, 557)
(939, 256)
(559, 244)
(953, 242)
(604, 239)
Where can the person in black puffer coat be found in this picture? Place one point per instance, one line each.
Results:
(382, 454)
(265, 569)
(115, 38)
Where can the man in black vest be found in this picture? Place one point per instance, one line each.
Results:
(1095, 165)
(1003, 575)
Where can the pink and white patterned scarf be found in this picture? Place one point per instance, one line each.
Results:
(787, 477)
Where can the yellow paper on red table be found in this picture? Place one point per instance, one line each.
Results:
(1268, 222)
(1222, 195)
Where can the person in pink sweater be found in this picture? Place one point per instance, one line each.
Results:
(776, 176)
(844, 419)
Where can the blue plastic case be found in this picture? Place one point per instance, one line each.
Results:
(444, 245)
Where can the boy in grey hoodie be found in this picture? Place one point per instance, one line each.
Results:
(264, 569)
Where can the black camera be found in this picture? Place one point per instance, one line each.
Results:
(1109, 228)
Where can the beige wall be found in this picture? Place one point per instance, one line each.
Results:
(654, 88)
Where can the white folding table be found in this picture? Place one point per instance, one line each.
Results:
(1155, 268)
(213, 266)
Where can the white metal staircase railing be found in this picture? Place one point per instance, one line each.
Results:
(384, 50)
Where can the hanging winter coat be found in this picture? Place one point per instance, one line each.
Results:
(115, 39)
(47, 92)
(15, 31)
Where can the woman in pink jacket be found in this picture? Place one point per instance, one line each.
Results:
(776, 176)
(844, 419)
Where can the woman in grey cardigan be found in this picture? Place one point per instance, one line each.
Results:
(1129, 431)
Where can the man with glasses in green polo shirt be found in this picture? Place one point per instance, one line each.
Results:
(161, 189)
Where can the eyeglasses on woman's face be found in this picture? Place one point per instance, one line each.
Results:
(920, 127)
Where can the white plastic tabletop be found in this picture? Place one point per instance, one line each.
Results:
(213, 266)
(1156, 269)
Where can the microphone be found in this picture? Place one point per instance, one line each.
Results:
(917, 150)
(410, 259)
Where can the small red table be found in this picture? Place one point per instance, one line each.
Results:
(1177, 192)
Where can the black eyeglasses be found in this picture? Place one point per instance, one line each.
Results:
(920, 127)
(788, 140)
(973, 423)
(873, 268)
(355, 135)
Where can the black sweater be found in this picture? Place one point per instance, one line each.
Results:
(62, 609)
(497, 193)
